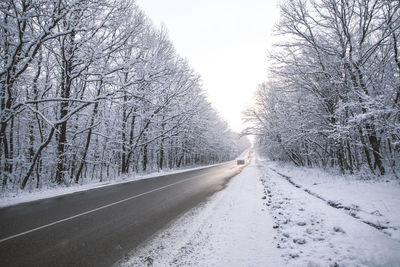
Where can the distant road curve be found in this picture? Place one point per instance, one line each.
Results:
(100, 226)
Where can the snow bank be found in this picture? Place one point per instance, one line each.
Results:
(231, 229)
(310, 232)
(373, 202)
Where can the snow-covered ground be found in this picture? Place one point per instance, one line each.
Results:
(375, 202)
(262, 219)
(311, 232)
(9, 198)
(232, 228)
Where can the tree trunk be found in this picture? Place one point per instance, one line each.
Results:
(88, 137)
(160, 164)
(35, 158)
(66, 83)
(144, 162)
(131, 147)
(375, 144)
(366, 151)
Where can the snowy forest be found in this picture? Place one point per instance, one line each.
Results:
(92, 90)
(333, 94)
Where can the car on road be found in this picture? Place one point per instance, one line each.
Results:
(240, 162)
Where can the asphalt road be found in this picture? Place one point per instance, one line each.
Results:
(98, 227)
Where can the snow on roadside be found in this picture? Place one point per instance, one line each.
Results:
(22, 196)
(312, 233)
(232, 228)
(374, 202)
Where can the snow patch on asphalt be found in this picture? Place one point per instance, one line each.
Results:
(232, 228)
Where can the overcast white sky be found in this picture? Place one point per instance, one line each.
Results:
(225, 41)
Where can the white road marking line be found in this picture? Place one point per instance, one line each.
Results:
(94, 210)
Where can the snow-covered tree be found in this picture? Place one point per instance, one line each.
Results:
(332, 98)
(92, 90)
